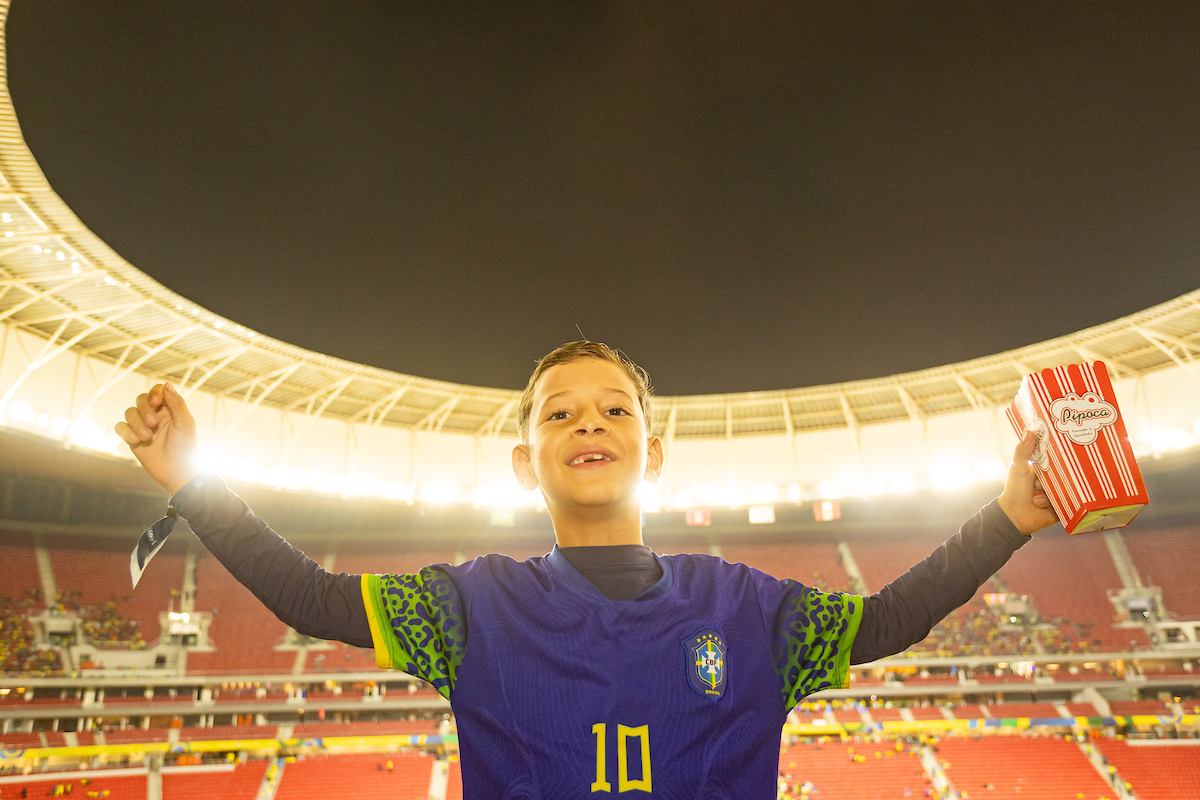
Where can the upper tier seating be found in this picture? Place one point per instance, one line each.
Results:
(1083, 709)
(926, 712)
(20, 566)
(136, 735)
(1127, 708)
(340, 658)
(518, 551)
(232, 733)
(398, 727)
(90, 572)
(368, 558)
(969, 712)
(1021, 768)
(1158, 770)
(243, 630)
(878, 772)
(320, 777)
(1018, 710)
(1167, 559)
(884, 714)
(18, 741)
(881, 561)
(815, 564)
(1070, 577)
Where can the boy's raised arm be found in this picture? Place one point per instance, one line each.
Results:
(903, 612)
(161, 432)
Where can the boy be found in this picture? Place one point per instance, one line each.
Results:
(601, 668)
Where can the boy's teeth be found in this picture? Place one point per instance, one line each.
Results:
(590, 457)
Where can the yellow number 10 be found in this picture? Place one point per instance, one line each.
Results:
(624, 732)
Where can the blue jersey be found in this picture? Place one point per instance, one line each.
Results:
(560, 692)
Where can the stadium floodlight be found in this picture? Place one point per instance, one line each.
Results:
(440, 493)
(651, 497)
(1167, 441)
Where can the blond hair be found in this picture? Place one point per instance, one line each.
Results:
(574, 351)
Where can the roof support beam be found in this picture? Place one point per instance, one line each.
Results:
(495, 423)
(118, 372)
(49, 351)
(249, 404)
(1188, 365)
(311, 416)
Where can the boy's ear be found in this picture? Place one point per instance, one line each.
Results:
(523, 468)
(654, 459)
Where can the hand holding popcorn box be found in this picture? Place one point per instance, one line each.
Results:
(1082, 453)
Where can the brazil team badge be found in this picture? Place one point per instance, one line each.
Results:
(705, 658)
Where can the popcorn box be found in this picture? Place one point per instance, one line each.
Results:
(1083, 454)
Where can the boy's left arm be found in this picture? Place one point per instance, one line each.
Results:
(904, 611)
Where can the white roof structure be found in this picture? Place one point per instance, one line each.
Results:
(76, 314)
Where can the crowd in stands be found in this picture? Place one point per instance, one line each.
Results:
(973, 630)
(18, 653)
(104, 627)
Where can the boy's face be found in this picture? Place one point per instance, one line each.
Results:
(588, 445)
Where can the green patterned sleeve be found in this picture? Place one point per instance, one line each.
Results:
(812, 632)
(417, 625)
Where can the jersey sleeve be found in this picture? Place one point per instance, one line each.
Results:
(811, 633)
(417, 624)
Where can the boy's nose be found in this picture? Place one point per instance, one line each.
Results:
(589, 423)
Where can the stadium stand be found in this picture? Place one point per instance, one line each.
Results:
(399, 727)
(136, 735)
(16, 741)
(227, 733)
(1018, 710)
(861, 770)
(815, 564)
(1166, 558)
(83, 572)
(1158, 771)
(883, 560)
(1128, 708)
(883, 714)
(969, 712)
(518, 551)
(319, 777)
(340, 658)
(926, 712)
(239, 783)
(20, 566)
(243, 631)
(1083, 709)
(1020, 768)
(360, 558)
(454, 787)
(1050, 575)
(118, 787)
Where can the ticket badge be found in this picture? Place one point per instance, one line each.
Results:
(1082, 452)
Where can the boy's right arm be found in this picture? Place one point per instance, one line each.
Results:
(414, 622)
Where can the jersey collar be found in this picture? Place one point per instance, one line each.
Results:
(572, 577)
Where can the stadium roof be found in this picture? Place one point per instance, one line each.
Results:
(61, 282)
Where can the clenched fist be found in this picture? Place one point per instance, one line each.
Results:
(162, 435)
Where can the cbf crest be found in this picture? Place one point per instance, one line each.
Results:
(706, 662)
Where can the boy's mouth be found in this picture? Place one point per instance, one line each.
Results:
(591, 456)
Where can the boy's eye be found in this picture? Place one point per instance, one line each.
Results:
(558, 415)
(617, 410)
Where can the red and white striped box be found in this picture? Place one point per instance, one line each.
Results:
(1083, 454)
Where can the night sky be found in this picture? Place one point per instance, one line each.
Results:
(741, 196)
